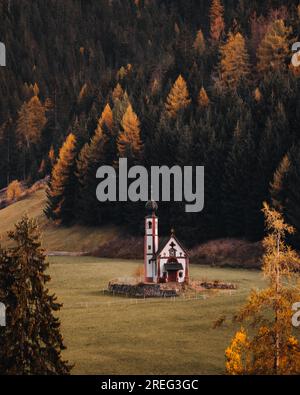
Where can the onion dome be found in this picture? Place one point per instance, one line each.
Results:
(151, 206)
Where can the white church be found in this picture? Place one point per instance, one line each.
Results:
(166, 261)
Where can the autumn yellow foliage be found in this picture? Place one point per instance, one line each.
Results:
(178, 97)
(129, 141)
(14, 190)
(272, 349)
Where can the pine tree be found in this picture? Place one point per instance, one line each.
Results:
(199, 43)
(62, 185)
(100, 150)
(217, 25)
(106, 119)
(178, 98)
(129, 141)
(277, 186)
(120, 107)
(272, 349)
(31, 342)
(239, 201)
(257, 95)
(274, 143)
(274, 48)
(234, 66)
(285, 193)
(203, 99)
(31, 120)
(117, 92)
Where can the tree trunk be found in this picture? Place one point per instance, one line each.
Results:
(277, 335)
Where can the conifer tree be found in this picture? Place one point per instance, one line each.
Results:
(178, 98)
(31, 342)
(257, 95)
(100, 150)
(217, 25)
(120, 107)
(106, 119)
(203, 99)
(285, 193)
(234, 66)
(271, 349)
(31, 120)
(117, 92)
(274, 143)
(278, 185)
(239, 201)
(129, 141)
(274, 49)
(199, 43)
(62, 184)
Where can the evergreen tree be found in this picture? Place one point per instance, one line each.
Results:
(100, 150)
(31, 120)
(274, 49)
(217, 25)
(278, 185)
(284, 191)
(203, 99)
(199, 43)
(129, 141)
(31, 342)
(239, 183)
(234, 66)
(62, 184)
(274, 144)
(178, 98)
(117, 92)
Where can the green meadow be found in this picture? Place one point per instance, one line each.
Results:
(116, 335)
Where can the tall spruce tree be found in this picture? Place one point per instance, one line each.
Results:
(274, 49)
(234, 66)
(285, 193)
(31, 120)
(62, 184)
(178, 98)
(99, 151)
(31, 342)
(217, 25)
(239, 182)
(129, 141)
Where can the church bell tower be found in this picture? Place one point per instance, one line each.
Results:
(151, 242)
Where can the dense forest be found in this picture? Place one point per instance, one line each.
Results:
(159, 82)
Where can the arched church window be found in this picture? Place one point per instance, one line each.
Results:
(150, 224)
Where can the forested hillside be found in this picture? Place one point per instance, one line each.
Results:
(160, 82)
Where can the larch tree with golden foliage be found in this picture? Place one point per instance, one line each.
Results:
(129, 141)
(178, 98)
(203, 99)
(274, 50)
(62, 184)
(117, 92)
(217, 25)
(199, 43)
(99, 151)
(235, 65)
(30, 122)
(277, 186)
(271, 349)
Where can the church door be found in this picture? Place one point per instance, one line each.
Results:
(172, 276)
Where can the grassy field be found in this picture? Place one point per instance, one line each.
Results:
(115, 335)
(55, 238)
